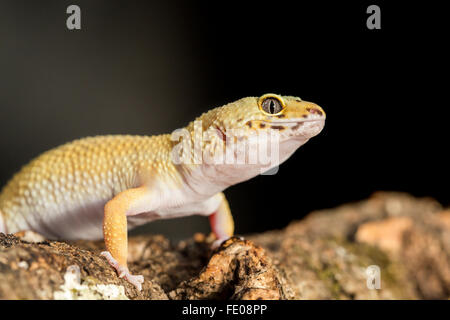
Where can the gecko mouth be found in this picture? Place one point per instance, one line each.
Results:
(290, 122)
(300, 128)
(293, 123)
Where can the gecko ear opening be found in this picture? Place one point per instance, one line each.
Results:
(271, 104)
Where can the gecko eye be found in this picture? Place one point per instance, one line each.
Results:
(270, 104)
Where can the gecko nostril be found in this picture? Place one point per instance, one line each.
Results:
(314, 111)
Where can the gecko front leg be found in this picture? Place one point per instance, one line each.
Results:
(115, 232)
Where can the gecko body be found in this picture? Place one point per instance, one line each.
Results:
(103, 186)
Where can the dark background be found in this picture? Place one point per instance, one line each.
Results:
(138, 67)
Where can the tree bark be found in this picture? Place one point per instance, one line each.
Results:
(324, 256)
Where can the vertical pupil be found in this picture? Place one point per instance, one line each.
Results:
(272, 106)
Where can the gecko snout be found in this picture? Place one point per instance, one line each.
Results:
(315, 109)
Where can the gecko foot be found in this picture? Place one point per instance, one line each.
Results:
(219, 241)
(30, 236)
(123, 272)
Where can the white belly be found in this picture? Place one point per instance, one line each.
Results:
(77, 221)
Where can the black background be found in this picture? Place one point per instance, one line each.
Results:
(138, 67)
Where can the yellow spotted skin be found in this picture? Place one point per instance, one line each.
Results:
(94, 167)
(101, 186)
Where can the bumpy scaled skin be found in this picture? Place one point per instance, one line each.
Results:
(105, 185)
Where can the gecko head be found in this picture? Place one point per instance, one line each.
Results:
(288, 117)
(261, 133)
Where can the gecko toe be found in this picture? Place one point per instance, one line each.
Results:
(123, 272)
(218, 242)
(135, 280)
